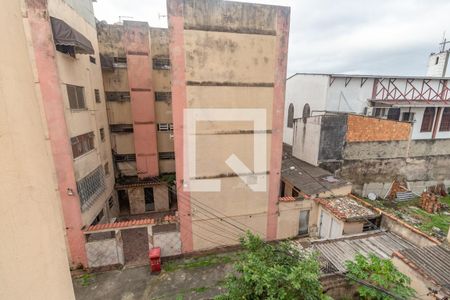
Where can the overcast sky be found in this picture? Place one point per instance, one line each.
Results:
(336, 36)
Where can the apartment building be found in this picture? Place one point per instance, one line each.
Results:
(63, 52)
(34, 263)
(228, 63)
(136, 77)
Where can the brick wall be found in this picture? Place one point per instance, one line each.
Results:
(368, 129)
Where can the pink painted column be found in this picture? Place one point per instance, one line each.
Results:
(178, 77)
(137, 43)
(282, 39)
(53, 104)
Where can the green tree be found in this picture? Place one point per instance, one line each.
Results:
(380, 273)
(273, 271)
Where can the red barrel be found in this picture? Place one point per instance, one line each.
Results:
(155, 259)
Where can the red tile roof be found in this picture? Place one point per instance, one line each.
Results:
(132, 223)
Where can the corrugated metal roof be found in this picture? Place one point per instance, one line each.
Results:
(382, 244)
(370, 76)
(433, 261)
(308, 178)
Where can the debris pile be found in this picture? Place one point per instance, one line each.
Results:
(429, 202)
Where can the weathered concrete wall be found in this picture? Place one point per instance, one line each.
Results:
(405, 232)
(228, 55)
(104, 253)
(34, 262)
(418, 283)
(332, 134)
(161, 194)
(289, 218)
(306, 142)
(353, 227)
(137, 200)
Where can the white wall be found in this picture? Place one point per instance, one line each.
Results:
(350, 98)
(441, 68)
(306, 141)
(302, 89)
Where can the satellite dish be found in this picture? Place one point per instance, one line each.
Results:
(372, 196)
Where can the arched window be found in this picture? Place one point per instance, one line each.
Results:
(290, 116)
(306, 112)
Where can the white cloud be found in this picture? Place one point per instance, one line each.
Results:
(371, 37)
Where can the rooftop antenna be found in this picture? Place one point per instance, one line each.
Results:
(444, 42)
(121, 18)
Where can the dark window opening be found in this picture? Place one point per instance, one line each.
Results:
(97, 96)
(408, 116)
(306, 112)
(393, 114)
(165, 126)
(161, 64)
(166, 155)
(124, 157)
(379, 112)
(111, 203)
(445, 120)
(120, 60)
(163, 96)
(294, 193)
(290, 116)
(149, 200)
(119, 128)
(124, 203)
(98, 218)
(117, 96)
(437, 60)
(282, 188)
(303, 222)
(92, 59)
(76, 97)
(82, 144)
(102, 134)
(69, 50)
(106, 166)
(428, 119)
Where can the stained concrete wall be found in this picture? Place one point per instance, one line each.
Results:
(307, 136)
(418, 283)
(289, 218)
(34, 262)
(136, 197)
(228, 55)
(332, 135)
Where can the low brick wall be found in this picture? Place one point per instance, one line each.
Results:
(369, 129)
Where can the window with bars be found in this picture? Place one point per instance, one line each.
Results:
(102, 134)
(408, 116)
(92, 59)
(445, 120)
(161, 63)
(82, 144)
(393, 114)
(166, 155)
(163, 96)
(379, 112)
(97, 96)
(76, 97)
(117, 96)
(90, 187)
(428, 119)
(165, 126)
(111, 203)
(124, 157)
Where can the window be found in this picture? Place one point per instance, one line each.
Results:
(165, 127)
(124, 157)
(428, 118)
(445, 120)
(117, 96)
(149, 200)
(92, 59)
(76, 97)
(437, 60)
(408, 117)
(111, 203)
(163, 96)
(379, 112)
(121, 128)
(290, 116)
(294, 192)
(161, 64)
(98, 218)
(106, 167)
(166, 155)
(393, 114)
(82, 144)
(120, 60)
(90, 187)
(97, 96)
(102, 134)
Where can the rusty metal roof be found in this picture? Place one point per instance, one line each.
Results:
(432, 262)
(382, 244)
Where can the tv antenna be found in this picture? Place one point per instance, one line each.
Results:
(121, 18)
(444, 42)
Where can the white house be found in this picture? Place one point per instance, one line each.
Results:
(423, 100)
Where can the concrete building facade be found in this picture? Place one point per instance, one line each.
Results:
(64, 55)
(136, 77)
(424, 101)
(227, 55)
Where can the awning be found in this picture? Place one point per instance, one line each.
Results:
(64, 35)
(409, 103)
